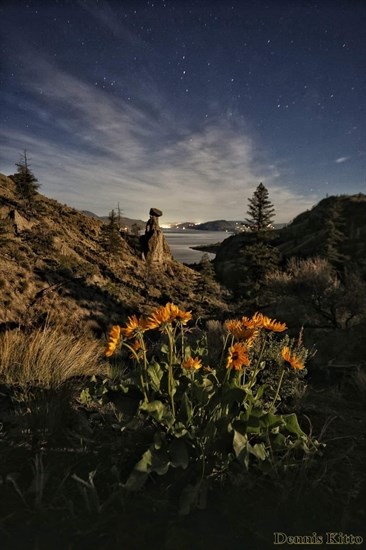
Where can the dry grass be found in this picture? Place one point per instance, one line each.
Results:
(48, 357)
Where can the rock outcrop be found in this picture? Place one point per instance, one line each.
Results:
(155, 248)
(16, 220)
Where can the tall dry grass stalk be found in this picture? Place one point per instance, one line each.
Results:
(48, 357)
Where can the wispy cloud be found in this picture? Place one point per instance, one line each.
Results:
(92, 149)
(340, 160)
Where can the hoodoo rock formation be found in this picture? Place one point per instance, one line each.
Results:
(154, 245)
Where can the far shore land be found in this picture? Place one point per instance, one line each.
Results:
(212, 248)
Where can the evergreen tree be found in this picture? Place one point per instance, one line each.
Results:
(334, 236)
(119, 217)
(256, 261)
(260, 211)
(110, 235)
(207, 283)
(25, 181)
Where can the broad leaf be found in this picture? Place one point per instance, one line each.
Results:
(258, 450)
(155, 374)
(240, 443)
(292, 424)
(178, 452)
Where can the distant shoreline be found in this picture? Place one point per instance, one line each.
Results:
(212, 248)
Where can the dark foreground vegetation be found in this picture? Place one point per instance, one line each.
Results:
(88, 462)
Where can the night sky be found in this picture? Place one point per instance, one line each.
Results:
(185, 105)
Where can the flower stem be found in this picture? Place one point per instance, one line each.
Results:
(170, 369)
(273, 404)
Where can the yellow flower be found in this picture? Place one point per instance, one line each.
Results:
(241, 332)
(167, 314)
(172, 310)
(159, 317)
(134, 326)
(113, 339)
(233, 326)
(262, 321)
(294, 360)
(238, 357)
(192, 363)
(184, 316)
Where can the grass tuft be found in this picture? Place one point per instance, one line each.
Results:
(48, 357)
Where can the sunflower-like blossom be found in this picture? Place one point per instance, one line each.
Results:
(192, 363)
(249, 323)
(238, 357)
(241, 332)
(262, 321)
(184, 316)
(113, 339)
(233, 326)
(134, 326)
(292, 358)
(167, 314)
(159, 317)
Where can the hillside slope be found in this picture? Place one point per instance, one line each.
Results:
(307, 235)
(53, 265)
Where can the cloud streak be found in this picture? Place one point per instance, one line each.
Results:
(91, 148)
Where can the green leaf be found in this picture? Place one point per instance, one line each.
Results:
(240, 443)
(279, 440)
(140, 473)
(186, 409)
(258, 450)
(253, 425)
(160, 412)
(179, 456)
(160, 461)
(187, 352)
(144, 464)
(292, 424)
(165, 349)
(155, 374)
(260, 391)
(271, 421)
(233, 395)
(179, 429)
(85, 396)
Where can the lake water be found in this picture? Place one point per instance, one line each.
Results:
(180, 242)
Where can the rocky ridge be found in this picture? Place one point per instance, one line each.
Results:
(52, 265)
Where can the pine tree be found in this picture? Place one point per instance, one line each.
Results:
(25, 181)
(207, 283)
(119, 217)
(110, 235)
(259, 259)
(334, 236)
(260, 211)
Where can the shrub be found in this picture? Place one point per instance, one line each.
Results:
(315, 283)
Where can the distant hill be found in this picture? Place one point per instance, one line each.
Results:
(218, 225)
(54, 265)
(233, 226)
(306, 235)
(128, 222)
